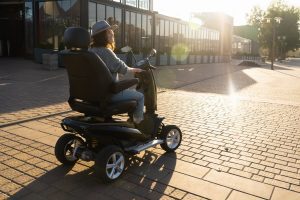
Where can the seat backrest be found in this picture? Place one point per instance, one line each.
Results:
(89, 78)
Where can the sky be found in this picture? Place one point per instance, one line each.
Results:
(235, 8)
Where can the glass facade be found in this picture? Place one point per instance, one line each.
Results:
(170, 33)
(132, 3)
(141, 29)
(137, 25)
(53, 17)
(28, 27)
(142, 4)
(112, 15)
(138, 31)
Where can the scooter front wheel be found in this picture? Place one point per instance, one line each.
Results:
(65, 147)
(110, 163)
(172, 137)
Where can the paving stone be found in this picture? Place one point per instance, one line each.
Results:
(193, 197)
(262, 137)
(280, 194)
(238, 183)
(182, 166)
(197, 186)
(240, 173)
(235, 195)
(258, 178)
(295, 188)
(287, 179)
(277, 183)
(178, 194)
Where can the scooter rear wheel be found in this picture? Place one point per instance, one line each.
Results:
(172, 136)
(64, 148)
(110, 163)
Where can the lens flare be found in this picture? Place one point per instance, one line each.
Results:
(180, 52)
(195, 22)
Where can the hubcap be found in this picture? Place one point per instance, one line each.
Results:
(173, 138)
(70, 148)
(115, 165)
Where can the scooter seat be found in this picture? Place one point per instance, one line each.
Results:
(93, 109)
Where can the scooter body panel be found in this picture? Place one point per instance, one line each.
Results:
(100, 130)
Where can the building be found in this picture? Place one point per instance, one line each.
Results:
(35, 27)
(241, 46)
(180, 42)
(223, 23)
(248, 32)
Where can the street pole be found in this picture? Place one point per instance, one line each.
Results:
(273, 22)
(273, 47)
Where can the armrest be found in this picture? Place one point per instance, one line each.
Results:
(124, 84)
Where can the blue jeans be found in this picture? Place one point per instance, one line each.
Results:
(131, 94)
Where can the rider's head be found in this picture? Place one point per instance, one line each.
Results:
(103, 35)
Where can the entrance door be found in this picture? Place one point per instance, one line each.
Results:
(11, 29)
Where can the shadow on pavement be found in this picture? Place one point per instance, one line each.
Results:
(139, 181)
(27, 85)
(219, 79)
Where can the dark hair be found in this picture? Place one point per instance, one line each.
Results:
(101, 40)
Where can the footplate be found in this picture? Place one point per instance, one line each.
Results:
(141, 147)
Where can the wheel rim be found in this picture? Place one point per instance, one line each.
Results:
(115, 165)
(69, 149)
(173, 138)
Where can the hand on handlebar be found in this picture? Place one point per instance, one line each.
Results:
(135, 70)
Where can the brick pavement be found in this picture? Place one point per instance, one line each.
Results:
(233, 148)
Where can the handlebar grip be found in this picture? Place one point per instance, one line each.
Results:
(152, 67)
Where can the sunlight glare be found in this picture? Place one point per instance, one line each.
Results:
(180, 52)
(236, 9)
(232, 94)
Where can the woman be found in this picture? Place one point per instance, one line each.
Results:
(103, 44)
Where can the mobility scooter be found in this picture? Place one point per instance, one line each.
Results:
(96, 135)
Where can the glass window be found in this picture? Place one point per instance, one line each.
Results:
(127, 27)
(132, 34)
(100, 12)
(149, 26)
(171, 39)
(92, 14)
(161, 34)
(167, 28)
(118, 31)
(144, 4)
(175, 33)
(192, 44)
(157, 34)
(131, 3)
(167, 35)
(144, 32)
(183, 33)
(28, 28)
(144, 25)
(117, 1)
(138, 32)
(149, 32)
(110, 17)
(162, 27)
(53, 18)
(198, 40)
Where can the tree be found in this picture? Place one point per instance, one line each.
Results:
(266, 24)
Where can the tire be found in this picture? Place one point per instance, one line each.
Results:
(64, 148)
(169, 131)
(104, 163)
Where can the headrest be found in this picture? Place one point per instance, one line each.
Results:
(76, 37)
